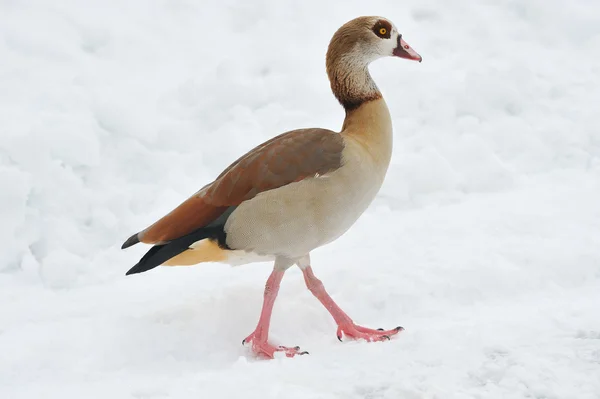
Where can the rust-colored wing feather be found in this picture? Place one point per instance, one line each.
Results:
(287, 158)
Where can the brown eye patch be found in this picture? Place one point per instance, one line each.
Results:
(383, 29)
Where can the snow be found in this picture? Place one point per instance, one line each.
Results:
(484, 242)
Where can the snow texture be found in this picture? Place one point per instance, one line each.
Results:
(484, 242)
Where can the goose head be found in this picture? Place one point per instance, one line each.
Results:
(366, 39)
(353, 47)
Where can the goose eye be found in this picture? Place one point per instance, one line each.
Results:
(382, 31)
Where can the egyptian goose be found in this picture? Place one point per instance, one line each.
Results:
(296, 192)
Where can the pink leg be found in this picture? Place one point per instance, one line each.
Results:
(259, 338)
(345, 324)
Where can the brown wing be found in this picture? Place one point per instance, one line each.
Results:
(287, 158)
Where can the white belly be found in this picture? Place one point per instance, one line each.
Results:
(295, 219)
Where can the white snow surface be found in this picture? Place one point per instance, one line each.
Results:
(484, 242)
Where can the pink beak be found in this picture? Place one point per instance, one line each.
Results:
(405, 51)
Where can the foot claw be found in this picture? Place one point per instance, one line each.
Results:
(358, 332)
(263, 348)
(339, 337)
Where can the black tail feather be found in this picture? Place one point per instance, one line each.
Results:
(159, 254)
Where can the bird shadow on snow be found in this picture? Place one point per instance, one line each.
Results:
(193, 332)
